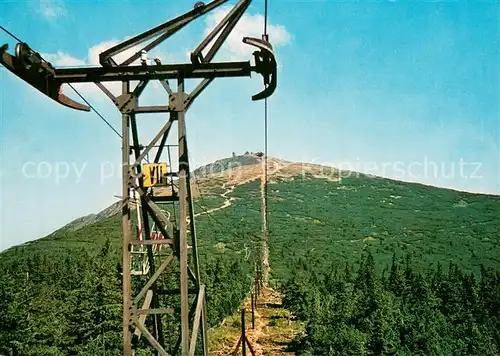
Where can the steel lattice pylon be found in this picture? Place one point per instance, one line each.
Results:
(29, 66)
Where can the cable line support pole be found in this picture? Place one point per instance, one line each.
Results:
(142, 178)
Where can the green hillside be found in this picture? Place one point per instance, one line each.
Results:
(337, 221)
(60, 295)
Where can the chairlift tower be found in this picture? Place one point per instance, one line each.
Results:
(139, 178)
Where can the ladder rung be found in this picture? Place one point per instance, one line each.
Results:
(168, 198)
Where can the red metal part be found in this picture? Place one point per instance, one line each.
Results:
(154, 236)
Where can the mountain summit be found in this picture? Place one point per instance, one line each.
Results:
(63, 292)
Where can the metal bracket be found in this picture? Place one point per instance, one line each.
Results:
(29, 66)
(265, 64)
(177, 102)
(126, 103)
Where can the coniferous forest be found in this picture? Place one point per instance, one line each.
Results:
(368, 266)
(395, 311)
(44, 310)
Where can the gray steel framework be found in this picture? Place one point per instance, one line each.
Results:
(30, 66)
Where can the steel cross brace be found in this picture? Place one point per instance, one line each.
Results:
(30, 67)
(177, 240)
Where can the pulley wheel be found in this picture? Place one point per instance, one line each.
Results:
(199, 4)
(23, 52)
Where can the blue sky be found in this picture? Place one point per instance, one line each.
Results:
(401, 89)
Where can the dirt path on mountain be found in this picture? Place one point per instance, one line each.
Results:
(228, 200)
(230, 187)
(274, 328)
(227, 203)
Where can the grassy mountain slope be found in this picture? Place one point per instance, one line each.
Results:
(315, 213)
(335, 221)
(218, 166)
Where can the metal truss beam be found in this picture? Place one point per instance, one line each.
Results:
(150, 72)
(165, 30)
(137, 308)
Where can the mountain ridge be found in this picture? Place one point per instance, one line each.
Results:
(244, 162)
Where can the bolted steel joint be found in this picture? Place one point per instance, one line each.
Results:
(177, 102)
(126, 103)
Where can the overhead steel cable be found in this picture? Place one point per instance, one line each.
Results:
(265, 251)
(265, 121)
(10, 34)
(97, 112)
(265, 17)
